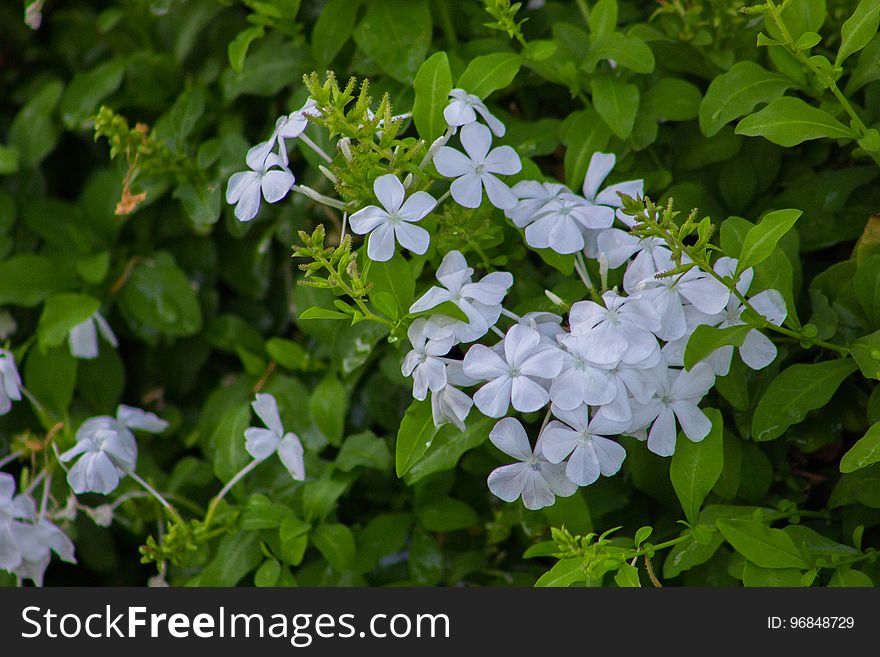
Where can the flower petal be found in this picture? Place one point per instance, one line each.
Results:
(390, 192)
(266, 408)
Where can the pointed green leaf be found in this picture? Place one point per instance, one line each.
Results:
(795, 392)
(789, 121)
(432, 86)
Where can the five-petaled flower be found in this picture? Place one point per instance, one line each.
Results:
(262, 443)
(107, 449)
(393, 221)
(476, 170)
(268, 176)
(534, 478)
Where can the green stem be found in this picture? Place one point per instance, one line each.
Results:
(152, 491)
(829, 83)
(212, 507)
(446, 24)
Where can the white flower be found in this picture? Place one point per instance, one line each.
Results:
(450, 405)
(480, 302)
(630, 383)
(245, 187)
(599, 168)
(669, 294)
(584, 442)
(13, 509)
(531, 197)
(83, 338)
(580, 381)
(395, 221)
(262, 443)
(107, 449)
(652, 256)
(37, 542)
(757, 350)
(423, 363)
(512, 377)
(474, 171)
(290, 126)
(10, 381)
(562, 224)
(677, 398)
(622, 331)
(463, 110)
(534, 478)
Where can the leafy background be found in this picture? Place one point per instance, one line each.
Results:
(208, 310)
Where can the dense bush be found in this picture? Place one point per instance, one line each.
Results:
(678, 231)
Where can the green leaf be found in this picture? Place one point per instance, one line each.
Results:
(33, 132)
(238, 47)
(237, 555)
(8, 160)
(706, 339)
(396, 35)
(185, 113)
(336, 543)
(294, 536)
(865, 452)
(845, 576)
(628, 51)
(85, 92)
(789, 121)
(395, 278)
(329, 406)
(385, 534)
(672, 99)
(763, 546)
(617, 103)
(268, 573)
(583, 133)
(858, 30)
(321, 313)
(319, 497)
(448, 447)
(690, 554)
(333, 29)
(756, 576)
(627, 576)
(489, 73)
(287, 353)
(565, 573)
(432, 86)
(445, 514)
(795, 392)
(866, 284)
(760, 242)
(364, 450)
(27, 279)
(696, 466)
(230, 456)
(158, 298)
(51, 377)
(807, 40)
(60, 314)
(415, 435)
(737, 92)
(866, 352)
(201, 202)
(603, 18)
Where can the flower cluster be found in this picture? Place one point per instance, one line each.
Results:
(27, 536)
(613, 366)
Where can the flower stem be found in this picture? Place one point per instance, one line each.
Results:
(9, 458)
(152, 491)
(241, 474)
(318, 150)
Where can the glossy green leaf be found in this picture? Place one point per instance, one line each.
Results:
(798, 390)
(432, 85)
(763, 546)
(696, 466)
(737, 92)
(789, 121)
(489, 73)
